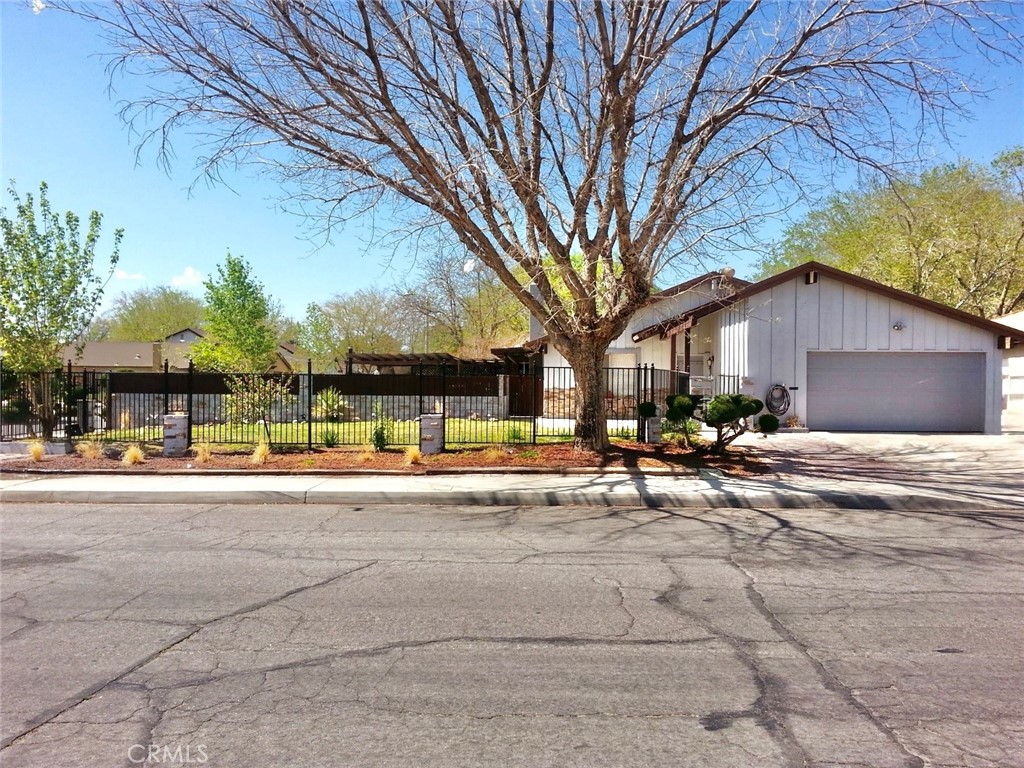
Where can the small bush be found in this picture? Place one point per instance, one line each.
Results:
(261, 453)
(366, 455)
(647, 410)
(37, 449)
(515, 435)
(767, 422)
(413, 455)
(329, 405)
(793, 422)
(331, 438)
(382, 434)
(89, 449)
(133, 455)
(203, 452)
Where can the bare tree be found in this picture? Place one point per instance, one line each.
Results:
(469, 309)
(578, 146)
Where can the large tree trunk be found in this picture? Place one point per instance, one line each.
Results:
(587, 361)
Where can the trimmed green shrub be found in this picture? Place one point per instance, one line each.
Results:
(647, 410)
(729, 415)
(678, 417)
(767, 422)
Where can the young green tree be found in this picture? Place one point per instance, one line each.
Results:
(50, 282)
(239, 336)
(369, 320)
(953, 234)
(148, 314)
(636, 134)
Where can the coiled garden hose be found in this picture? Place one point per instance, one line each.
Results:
(777, 400)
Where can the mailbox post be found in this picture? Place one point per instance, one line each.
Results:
(175, 434)
(431, 433)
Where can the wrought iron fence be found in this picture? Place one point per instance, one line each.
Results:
(523, 405)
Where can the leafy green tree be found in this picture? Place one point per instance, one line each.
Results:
(369, 320)
(50, 286)
(148, 314)
(239, 336)
(953, 234)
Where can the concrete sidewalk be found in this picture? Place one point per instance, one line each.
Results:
(710, 489)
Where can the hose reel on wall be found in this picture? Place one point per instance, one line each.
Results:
(777, 400)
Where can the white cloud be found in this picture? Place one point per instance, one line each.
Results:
(120, 274)
(191, 276)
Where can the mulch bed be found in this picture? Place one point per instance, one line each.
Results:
(623, 456)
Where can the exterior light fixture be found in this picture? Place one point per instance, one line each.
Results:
(898, 326)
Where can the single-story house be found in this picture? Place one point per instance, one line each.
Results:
(114, 356)
(1013, 377)
(836, 351)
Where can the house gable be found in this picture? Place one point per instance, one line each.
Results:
(813, 271)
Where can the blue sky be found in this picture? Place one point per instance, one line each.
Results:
(60, 124)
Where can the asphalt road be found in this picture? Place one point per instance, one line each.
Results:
(400, 636)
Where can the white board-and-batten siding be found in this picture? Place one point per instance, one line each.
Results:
(764, 339)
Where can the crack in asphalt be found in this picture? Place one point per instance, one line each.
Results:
(55, 712)
(830, 681)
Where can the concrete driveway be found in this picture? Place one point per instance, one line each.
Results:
(438, 638)
(986, 468)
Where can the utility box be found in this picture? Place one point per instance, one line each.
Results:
(431, 433)
(175, 434)
(653, 427)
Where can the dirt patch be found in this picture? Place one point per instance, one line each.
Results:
(739, 461)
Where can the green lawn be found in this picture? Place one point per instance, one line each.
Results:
(358, 433)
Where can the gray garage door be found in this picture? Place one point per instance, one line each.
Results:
(896, 392)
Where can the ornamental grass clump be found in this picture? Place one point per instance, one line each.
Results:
(37, 449)
(261, 453)
(133, 455)
(89, 449)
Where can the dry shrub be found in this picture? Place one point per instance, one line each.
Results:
(89, 449)
(366, 455)
(261, 453)
(495, 454)
(133, 455)
(203, 452)
(37, 449)
(413, 455)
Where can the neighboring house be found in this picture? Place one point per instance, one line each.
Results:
(1013, 377)
(177, 350)
(849, 353)
(114, 356)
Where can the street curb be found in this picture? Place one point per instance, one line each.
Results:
(422, 472)
(791, 499)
